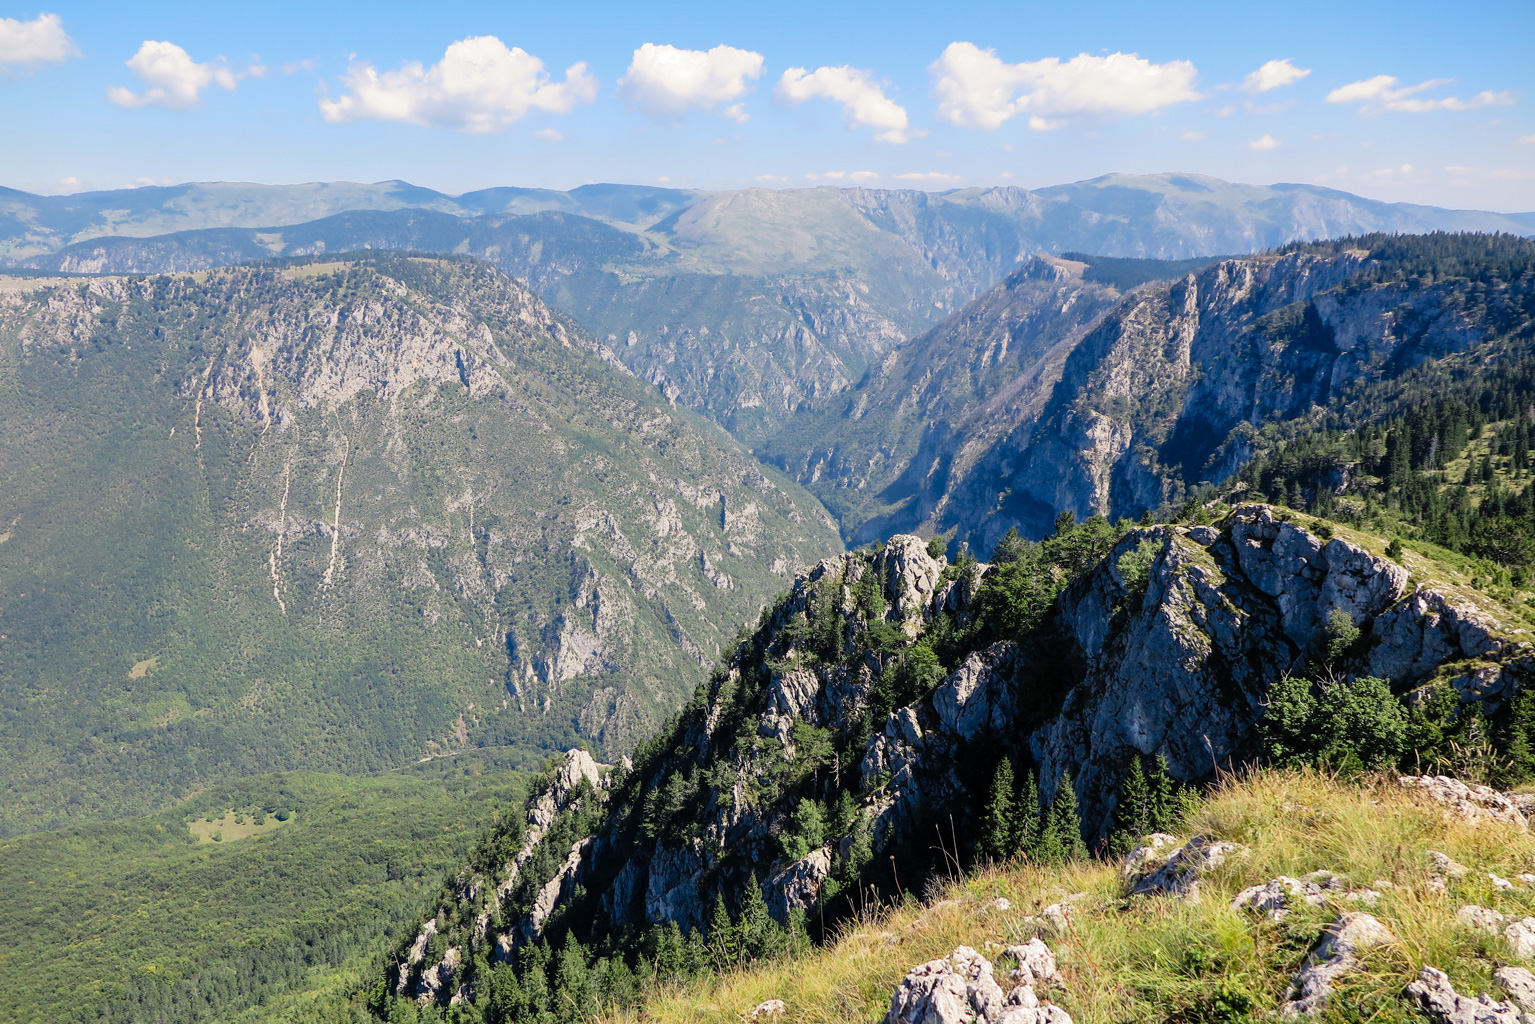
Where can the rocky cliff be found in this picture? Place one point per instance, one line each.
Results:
(1137, 404)
(884, 690)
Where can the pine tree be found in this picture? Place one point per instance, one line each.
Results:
(1132, 810)
(1162, 802)
(573, 982)
(723, 946)
(999, 823)
(1029, 820)
(1519, 749)
(1064, 827)
(670, 961)
(758, 933)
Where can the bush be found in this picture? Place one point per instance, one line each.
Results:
(807, 829)
(1347, 726)
(937, 547)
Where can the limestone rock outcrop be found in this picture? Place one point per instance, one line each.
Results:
(1437, 998)
(961, 989)
(1336, 955)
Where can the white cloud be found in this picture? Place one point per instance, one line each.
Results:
(1193, 136)
(1385, 92)
(1273, 75)
(480, 86)
(664, 82)
(548, 135)
(977, 89)
(859, 176)
(1528, 138)
(864, 104)
(935, 176)
(39, 41)
(174, 80)
(1266, 142)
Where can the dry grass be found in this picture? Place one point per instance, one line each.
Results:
(1159, 959)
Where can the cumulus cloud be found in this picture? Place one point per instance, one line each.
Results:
(932, 176)
(1265, 142)
(977, 89)
(172, 78)
(665, 82)
(39, 41)
(858, 176)
(1386, 92)
(479, 87)
(1273, 75)
(864, 103)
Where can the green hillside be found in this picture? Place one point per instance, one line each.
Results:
(340, 516)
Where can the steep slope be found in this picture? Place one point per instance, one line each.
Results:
(866, 717)
(344, 514)
(1134, 410)
(885, 454)
(1309, 849)
(746, 305)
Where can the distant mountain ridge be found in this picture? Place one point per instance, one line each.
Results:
(745, 305)
(1054, 393)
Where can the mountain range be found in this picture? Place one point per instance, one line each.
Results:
(409, 482)
(744, 305)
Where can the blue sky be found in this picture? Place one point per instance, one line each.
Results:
(1426, 103)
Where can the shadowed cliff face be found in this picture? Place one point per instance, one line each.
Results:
(1114, 409)
(397, 504)
(1168, 644)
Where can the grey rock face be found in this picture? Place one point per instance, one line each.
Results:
(1439, 1001)
(1518, 984)
(1181, 670)
(1480, 919)
(961, 989)
(1178, 874)
(797, 886)
(954, 990)
(1277, 897)
(1036, 965)
(1335, 955)
(1520, 935)
(1472, 802)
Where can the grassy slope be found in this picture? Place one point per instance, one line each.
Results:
(123, 913)
(1160, 959)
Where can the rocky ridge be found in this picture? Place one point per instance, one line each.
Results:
(1177, 662)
